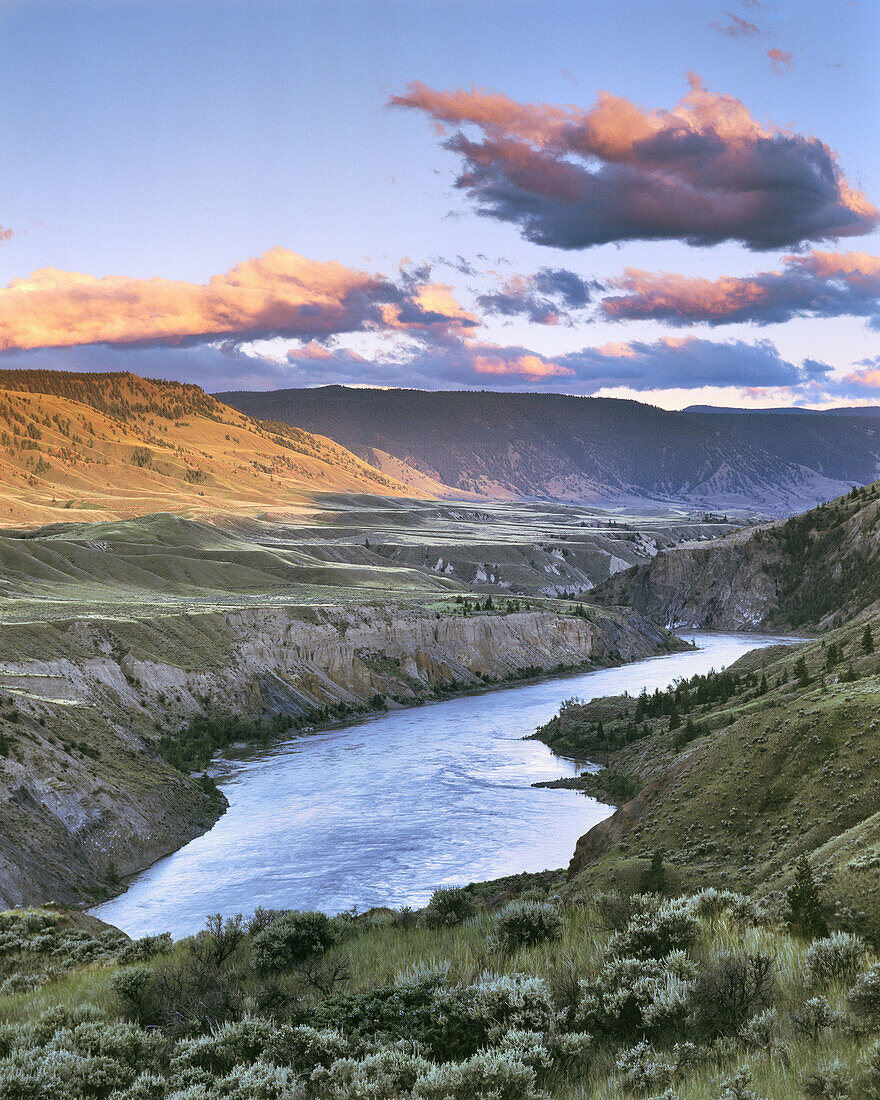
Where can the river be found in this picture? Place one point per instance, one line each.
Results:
(386, 809)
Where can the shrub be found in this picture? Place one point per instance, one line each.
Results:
(655, 935)
(864, 997)
(813, 1017)
(463, 1019)
(291, 940)
(525, 923)
(737, 1086)
(633, 997)
(240, 1042)
(486, 1076)
(147, 947)
(839, 955)
(383, 1075)
(872, 1071)
(641, 1067)
(727, 993)
(761, 1030)
(711, 904)
(449, 905)
(131, 985)
(829, 1081)
(616, 910)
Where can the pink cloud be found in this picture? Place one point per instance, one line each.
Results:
(705, 171)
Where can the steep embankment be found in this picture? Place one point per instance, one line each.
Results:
(810, 571)
(83, 794)
(596, 450)
(91, 446)
(780, 761)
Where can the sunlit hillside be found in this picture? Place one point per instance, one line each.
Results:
(115, 445)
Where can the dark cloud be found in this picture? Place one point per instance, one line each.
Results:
(818, 284)
(703, 173)
(548, 297)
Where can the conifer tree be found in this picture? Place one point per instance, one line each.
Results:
(868, 640)
(653, 879)
(804, 916)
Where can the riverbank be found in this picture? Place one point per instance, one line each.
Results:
(85, 798)
(383, 810)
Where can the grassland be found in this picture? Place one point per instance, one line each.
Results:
(402, 1005)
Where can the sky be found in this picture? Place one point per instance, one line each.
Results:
(671, 201)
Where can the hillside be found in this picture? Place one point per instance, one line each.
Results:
(598, 450)
(814, 570)
(735, 776)
(102, 446)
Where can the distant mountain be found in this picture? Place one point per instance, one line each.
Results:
(585, 449)
(105, 446)
(847, 410)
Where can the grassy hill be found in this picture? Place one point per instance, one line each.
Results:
(94, 446)
(599, 450)
(735, 776)
(809, 572)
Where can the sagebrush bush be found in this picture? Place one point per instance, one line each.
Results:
(523, 924)
(839, 956)
(641, 1067)
(829, 1081)
(864, 997)
(629, 998)
(290, 940)
(488, 1075)
(813, 1017)
(464, 1019)
(449, 905)
(388, 1073)
(654, 935)
(737, 1086)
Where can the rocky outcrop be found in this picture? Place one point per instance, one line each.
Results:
(722, 585)
(84, 798)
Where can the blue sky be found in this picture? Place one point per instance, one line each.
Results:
(176, 139)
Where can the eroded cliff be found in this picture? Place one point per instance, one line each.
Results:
(84, 796)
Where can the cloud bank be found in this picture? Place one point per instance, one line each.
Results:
(819, 284)
(704, 172)
(277, 294)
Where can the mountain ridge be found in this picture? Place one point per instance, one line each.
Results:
(586, 449)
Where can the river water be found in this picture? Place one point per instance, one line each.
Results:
(385, 810)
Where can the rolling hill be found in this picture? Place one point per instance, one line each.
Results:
(585, 449)
(106, 446)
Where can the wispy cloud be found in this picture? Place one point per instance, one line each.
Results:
(780, 60)
(704, 172)
(736, 27)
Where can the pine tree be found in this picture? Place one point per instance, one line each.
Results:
(868, 640)
(804, 916)
(653, 879)
(800, 670)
